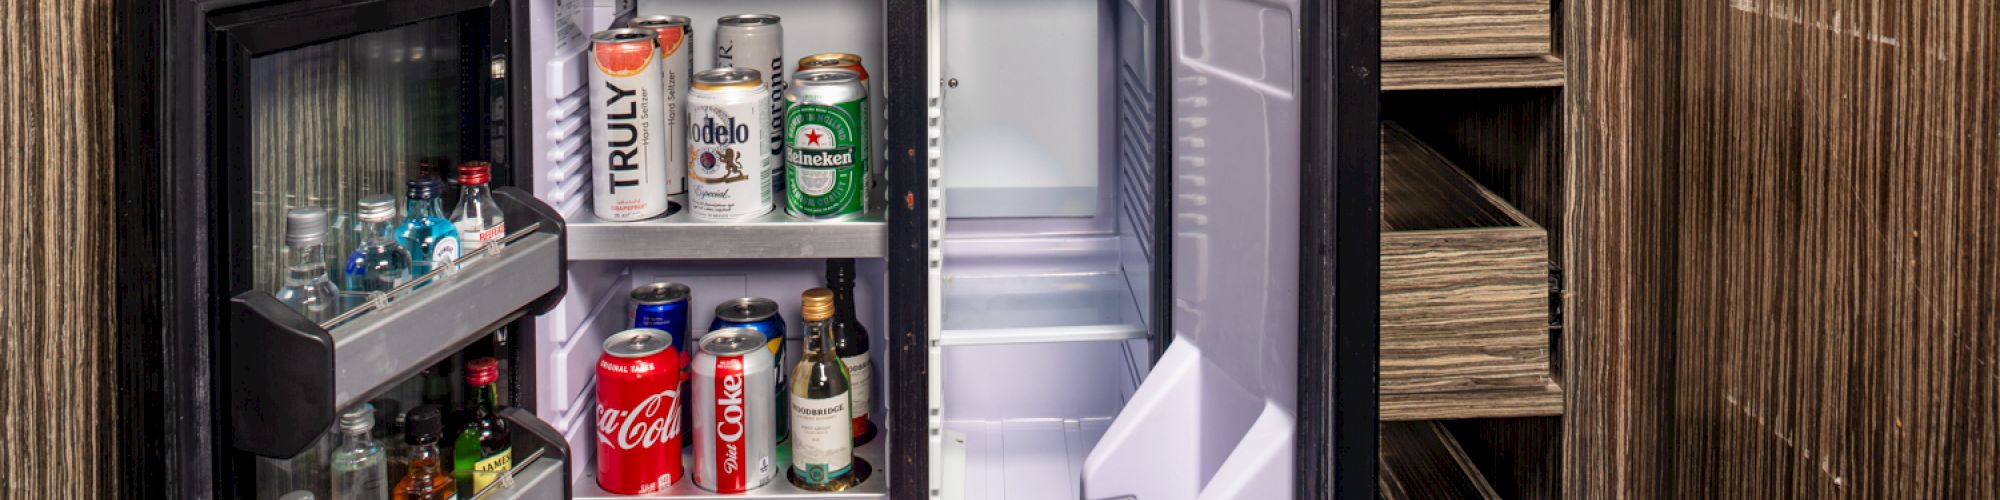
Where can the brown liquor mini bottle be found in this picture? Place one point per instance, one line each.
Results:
(427, 478)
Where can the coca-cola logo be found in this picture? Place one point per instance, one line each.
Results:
(729, 420)
(644, 426)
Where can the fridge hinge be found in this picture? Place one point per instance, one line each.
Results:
(1555, 297)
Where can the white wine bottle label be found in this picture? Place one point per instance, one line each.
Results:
(859, 371)
(822, 442)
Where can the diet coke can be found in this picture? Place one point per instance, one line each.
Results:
(638, 413)
(735, 441)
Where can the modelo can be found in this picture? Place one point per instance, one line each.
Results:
(757, 41)
(826, 135)
(729, 165)
(628, 140)
(664, 306)
(735, 412)
(675, 41)
(761, 315)
(638, 413)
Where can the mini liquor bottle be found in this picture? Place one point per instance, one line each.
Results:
(478, 217)
(307, 289)
(378, 264)
(483, 453)
(850, 341)
(431, 238)
(822, 429)
(427, 479)
(359, 473)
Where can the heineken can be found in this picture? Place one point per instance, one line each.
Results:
(757, 41)
(826, 141)
(675, 39)
(628, 140)
(729, 157)
(876, 179)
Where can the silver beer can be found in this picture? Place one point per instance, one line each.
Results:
(676, 44)
(628, 140)
(729, 159)
(757, 41)
(735, 410)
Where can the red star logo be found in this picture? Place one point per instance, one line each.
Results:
(812, 137)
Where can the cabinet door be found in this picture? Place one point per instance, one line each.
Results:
(1274, 189)
(1783, 268)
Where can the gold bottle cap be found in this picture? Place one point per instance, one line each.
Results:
(816, 304)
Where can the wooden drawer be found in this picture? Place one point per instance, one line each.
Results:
(1465, 294)
(1460, 29)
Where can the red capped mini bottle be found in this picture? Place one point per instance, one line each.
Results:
(484, 451)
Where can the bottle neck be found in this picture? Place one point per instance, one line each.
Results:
(377, 229)
(420, 208)
(819, 336)
(424, 458)
(484, 398)
(357, 435)
(843, 301)
(473, 192)
(308, 262)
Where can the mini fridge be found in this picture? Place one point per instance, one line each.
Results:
(1098, 263)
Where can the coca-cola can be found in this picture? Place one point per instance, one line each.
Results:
(735, 412)
(638, 412)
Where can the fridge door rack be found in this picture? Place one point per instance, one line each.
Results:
(289, 378)
(542, 460)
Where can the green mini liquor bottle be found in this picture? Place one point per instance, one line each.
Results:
(482, 454)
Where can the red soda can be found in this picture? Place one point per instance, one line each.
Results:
(638, 412)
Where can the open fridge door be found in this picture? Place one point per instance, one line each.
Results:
(1217, 415)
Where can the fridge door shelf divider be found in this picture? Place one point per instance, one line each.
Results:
(541, 460)
(775, 235)
(289, 378)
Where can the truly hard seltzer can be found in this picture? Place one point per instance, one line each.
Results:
(664, 306)
(729, 174)
(676, 46)
(757, 41)
(628, 140)
(638, 413)
(826, 145)
(735, 415)
(761, 315)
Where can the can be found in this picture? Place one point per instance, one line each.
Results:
(736, 411)
(676, 48)
(826, 155)
(841, 60)
(628, 140)
(757, 41)
(759, 314)
(664, 306)
(638, 413)
(729, 174)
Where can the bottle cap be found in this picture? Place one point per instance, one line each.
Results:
(359, 419)
(421, 425)
(377, 208)
(816, 304)
(424, 187)
(482, 371)
(473, 173)
(305, 226)
(839, 272)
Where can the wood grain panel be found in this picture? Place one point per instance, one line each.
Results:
(1464, 308)
(56, 398)
(1513, 72)
(1458, 29)
(1787, 278)
(1520, 457)
(1421, 461)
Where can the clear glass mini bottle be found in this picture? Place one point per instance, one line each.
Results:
(478, 217)
(307, 289)
(359, 472)
(378, 264)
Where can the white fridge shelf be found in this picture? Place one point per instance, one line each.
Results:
(772, 236)
(1070, 307)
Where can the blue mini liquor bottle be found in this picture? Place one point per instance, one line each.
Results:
(378, 264)
(307, 289)
(430, 237)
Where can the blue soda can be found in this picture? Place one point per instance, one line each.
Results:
(664, 306)
(760, 314)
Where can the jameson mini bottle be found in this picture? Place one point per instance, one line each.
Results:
(483, 453)
(822, 429)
